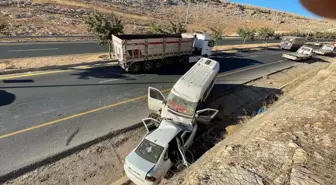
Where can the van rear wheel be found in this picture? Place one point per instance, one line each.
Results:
(148, 66)
(135, 68)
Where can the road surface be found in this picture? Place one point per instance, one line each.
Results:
(43, 115)
(23, 50)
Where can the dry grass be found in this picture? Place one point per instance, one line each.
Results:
(52, 61)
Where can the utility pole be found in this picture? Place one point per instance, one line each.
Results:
(186, 20)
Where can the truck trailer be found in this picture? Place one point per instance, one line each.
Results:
(136, 53)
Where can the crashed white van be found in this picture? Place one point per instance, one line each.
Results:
(168, 138)
(187, 94)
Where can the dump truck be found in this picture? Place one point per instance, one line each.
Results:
(326, 49)
(137, 53)
(303, 53)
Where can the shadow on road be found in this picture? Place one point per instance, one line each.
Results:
(18, 81)
(108, 72)
(6, 98)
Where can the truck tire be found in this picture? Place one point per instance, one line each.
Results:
(148, 66)
(136, 67)
(158, 64)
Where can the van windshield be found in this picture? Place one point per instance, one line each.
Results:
(181, 105)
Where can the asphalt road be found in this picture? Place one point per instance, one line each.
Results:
(24, 50)
(45, 114)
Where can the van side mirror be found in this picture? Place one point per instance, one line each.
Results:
(205, 115)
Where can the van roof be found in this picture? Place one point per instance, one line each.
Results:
(192, 83)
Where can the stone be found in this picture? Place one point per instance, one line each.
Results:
(326, 141)
(300, 156)
(317, 124)
(292, 144)
(318, 156)
(302, 176)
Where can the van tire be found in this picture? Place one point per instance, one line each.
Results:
(135, 68)
(148, 66)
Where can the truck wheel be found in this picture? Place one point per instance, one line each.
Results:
(135, 68)
(148, 66)
(158, 64)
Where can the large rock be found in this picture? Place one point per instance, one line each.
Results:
(302, 176)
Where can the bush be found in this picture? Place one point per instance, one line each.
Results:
(266, 33)
(246, 33)
(103, 27)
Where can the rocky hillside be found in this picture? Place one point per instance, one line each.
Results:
(53, 17)
(293, 142)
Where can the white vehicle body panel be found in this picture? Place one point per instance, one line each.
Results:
(325, 49)
(194, 86)
(137, 168)
(301, 54)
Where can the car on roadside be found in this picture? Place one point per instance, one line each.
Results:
(324, 50)
(303, 53)
(164, 145)
(292, 43)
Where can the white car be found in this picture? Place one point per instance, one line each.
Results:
(158, 151)
(325, 50)
(303, 53)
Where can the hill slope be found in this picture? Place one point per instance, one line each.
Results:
(50, 17)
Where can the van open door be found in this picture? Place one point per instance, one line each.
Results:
(150, 124)
(205, 115)
(155, 100)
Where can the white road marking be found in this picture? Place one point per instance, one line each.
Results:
(24, 50)
(105, 81)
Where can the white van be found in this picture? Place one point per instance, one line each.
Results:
(188, 92)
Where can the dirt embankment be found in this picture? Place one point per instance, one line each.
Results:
(67, 17)
(293, 142)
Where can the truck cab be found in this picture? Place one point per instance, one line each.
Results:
(185, 99)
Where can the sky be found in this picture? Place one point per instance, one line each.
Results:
(293, 6)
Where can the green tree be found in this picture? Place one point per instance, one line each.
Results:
(103, 27)
(171, 28)
(246, 33)
(266, 33)
(217, 33)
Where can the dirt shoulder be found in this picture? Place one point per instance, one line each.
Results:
(292, 142)
(42, 63)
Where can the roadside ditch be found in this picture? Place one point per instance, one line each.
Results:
(102, 162)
